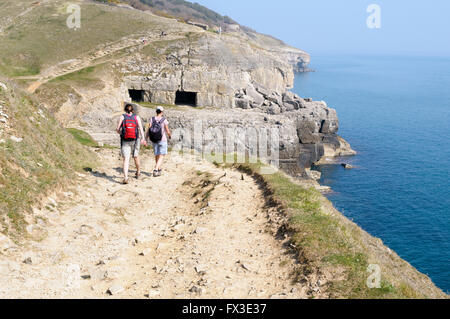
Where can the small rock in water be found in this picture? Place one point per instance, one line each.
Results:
(347, 166)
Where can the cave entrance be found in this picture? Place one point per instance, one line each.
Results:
(136, 95)
(186, 98)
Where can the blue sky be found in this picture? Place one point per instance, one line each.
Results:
(408, 27)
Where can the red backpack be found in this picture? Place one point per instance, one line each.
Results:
(130, 127)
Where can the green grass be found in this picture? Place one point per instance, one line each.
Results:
(82, 137)
(87, 77)
(153, 106)
(41, 38)
(46, 160)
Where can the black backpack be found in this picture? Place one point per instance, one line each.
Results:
(155, 132)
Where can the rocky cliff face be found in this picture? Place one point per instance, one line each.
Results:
(248, 83)
(303, 136)
(215, 68)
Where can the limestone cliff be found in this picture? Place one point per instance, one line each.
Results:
(216, 68)
(233, 72)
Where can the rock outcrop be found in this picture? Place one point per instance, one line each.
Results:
(305, 135)
(215, 68)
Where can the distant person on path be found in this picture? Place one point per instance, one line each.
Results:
(131, 137)
(158, 133)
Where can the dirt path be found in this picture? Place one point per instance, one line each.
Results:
(99, 56)
(11, 20)
(196, 232)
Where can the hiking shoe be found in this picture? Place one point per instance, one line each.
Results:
(160, 172)
(125, 181)
(138, 174)
(155, 173)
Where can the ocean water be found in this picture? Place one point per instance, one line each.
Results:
(395, 111)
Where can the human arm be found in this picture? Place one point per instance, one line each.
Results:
(141, 131)
(147, 133)
(119, 125)
(168, 132)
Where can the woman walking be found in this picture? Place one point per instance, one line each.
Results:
(131, 137)
(158, 133)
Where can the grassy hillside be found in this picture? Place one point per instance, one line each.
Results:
(38, 37)
(183, 9)
(44, 158)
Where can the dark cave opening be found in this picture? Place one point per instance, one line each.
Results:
(186, 98)
(136, 95)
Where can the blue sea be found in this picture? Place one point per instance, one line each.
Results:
(395, 111)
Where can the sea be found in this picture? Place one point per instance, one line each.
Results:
(395, 112)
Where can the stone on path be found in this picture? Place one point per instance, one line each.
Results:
(146, 252)
(154, 293)
(200, 230)
(200, 269)
(115, 290)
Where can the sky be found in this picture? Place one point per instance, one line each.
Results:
(407, 27)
